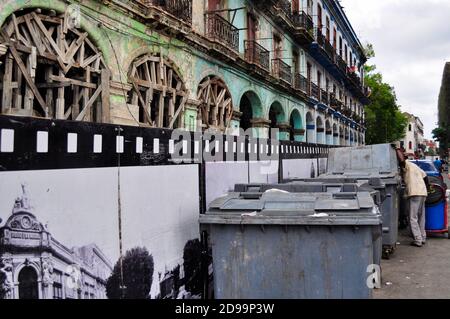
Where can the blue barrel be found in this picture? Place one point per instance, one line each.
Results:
(435, 216)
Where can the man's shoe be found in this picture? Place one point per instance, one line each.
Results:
(416, 244)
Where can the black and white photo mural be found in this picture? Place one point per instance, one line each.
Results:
(62, 233)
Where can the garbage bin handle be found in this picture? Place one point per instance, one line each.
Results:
(250, 195)
(442, 189)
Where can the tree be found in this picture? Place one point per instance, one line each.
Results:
(441, 135)
(384, 120)
(137, 270)
(192, 256)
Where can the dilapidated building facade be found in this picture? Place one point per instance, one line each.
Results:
(195, 64)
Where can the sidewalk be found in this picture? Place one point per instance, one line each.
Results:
(417, 272)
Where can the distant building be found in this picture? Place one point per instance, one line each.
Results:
(413, 142)
(34, 265)
(431, 148)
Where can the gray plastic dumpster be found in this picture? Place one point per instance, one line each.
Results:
(292, 245)
(321, 187)
(377, 166)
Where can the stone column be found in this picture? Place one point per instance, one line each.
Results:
(284, 132)
(299, 135)
(260, 127)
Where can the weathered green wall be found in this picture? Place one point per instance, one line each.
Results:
(123, 39)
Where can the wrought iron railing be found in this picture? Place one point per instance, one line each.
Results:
(182, 9)
(324, 97)
(285, 6)
(355, 79)
(329, 49)
(303, 20)
(320, 38)
(301, 83)
(315, 91)
(220, 30)
(257, 54)
(282, 70)
(341, 64)
(335, 103)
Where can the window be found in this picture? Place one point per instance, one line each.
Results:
(295, 6)
(340, 46)
(410, 127)
(327, 34)
(296, 61)
(319, 17)
(334, 39)
(410, 145)
(277, 46)
(57, 285)
(310, 7)
(319, 79)
(308, 72)
(346, 54)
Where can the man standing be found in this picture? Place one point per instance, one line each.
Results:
(416, 181)
(438, 164)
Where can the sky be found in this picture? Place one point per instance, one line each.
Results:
(411, 42)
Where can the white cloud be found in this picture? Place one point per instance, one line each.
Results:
(410, 38)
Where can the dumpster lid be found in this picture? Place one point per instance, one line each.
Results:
(294, 209)
(279, 207)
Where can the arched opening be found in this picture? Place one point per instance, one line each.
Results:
(158, 92)
(347, 137)
(28, 283)
(52, 70)
(328, 133)
(310, 128)
(297, 132)
(320, 129)
(335, 134)
(250, 107)
(277, 119)
(341, 136)
(216, 104)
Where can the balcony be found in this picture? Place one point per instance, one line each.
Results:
(303, 20)
(282, 70)
(355, 79)
(315, 91)
(304, 26)
(257, 54)
(301, 84)
(342, 65)
(335, 103)
(181, 9)
(298, 24)
(218, 29)
(324, 97)
(285, 6)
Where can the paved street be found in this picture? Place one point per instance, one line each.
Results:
(417, 272)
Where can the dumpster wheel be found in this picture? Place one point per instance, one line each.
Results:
(387, 252)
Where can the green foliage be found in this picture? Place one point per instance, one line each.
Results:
(137, 272)
(440, 134)
(384, 120)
